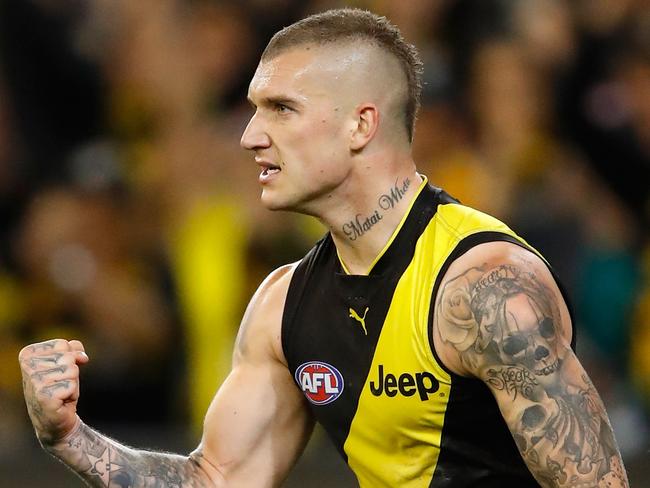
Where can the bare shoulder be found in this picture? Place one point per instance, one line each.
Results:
(260, 331)
(490, 302)
(501, 318)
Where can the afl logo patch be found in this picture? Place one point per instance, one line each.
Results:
(321, 383)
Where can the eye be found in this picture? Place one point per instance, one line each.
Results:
(281, 108)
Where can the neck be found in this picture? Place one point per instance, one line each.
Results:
(364, 223)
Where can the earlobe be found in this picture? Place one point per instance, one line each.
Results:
(366, 127)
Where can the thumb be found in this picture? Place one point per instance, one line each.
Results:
(81, 357)
(80, 354)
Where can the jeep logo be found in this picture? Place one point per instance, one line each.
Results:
(423, 383)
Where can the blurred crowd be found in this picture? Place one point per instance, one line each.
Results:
(129, 216)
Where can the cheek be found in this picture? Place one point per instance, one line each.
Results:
(324, 148)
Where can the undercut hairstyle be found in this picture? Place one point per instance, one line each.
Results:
(354, 25)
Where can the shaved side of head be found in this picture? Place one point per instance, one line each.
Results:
(384, 62)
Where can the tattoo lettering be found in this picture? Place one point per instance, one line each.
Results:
(513, 380)
(358, 226)
(390, 199)
(503, 322)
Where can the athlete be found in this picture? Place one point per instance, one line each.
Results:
(432, 343)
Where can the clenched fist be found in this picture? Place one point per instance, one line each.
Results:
(51, 383)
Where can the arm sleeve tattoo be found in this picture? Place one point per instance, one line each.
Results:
(504, 324)
(102, 462)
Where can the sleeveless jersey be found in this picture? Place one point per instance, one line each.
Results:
(361, 350)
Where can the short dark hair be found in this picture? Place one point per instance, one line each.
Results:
(351, 24)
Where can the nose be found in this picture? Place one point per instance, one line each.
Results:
(254, 136)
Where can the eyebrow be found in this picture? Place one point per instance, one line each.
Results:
(275, 100)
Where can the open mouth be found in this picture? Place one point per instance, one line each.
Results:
(271, 170)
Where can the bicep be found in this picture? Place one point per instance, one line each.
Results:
(491, 312)
(256, 426)
(258, 423)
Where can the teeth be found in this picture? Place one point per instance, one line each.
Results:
(548, 369)
(266, 171)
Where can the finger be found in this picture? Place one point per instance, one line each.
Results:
(42, 363)
(81, 358)
(54, 345)
(61, 390)
(76, 345)
(53, 374)
(80, 353)
(35, 363)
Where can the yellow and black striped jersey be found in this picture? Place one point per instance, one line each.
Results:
(360, 348)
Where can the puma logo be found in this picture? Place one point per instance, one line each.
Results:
(361, 320)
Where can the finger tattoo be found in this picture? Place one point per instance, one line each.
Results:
(39, 375)
(59, 385)
(53, 359)
(45, 346)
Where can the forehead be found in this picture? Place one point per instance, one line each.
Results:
(306, 70)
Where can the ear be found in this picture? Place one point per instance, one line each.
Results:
(367, 123)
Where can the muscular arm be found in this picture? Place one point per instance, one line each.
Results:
(254, 430)
(103, 462)
(501, 318)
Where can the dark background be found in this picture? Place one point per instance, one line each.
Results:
(121, 174)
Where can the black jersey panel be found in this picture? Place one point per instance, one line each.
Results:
(324, 302)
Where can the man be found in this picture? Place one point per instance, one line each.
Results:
(432, 343)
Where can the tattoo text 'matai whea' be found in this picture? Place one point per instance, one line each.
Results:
(361, 224)
(504, 324)
(101, 462)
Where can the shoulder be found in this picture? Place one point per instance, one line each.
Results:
(490, 297)
(260, 331)
(274, 287)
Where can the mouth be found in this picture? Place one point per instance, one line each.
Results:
(551, 368)
(270, 170)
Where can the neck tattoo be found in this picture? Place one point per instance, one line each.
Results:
(361, 224)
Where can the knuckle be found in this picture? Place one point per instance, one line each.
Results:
(68, 359)
(24, 352)
(61, 343)
(76, 345)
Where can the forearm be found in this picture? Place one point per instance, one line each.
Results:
(568, 441)
(102, 462)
